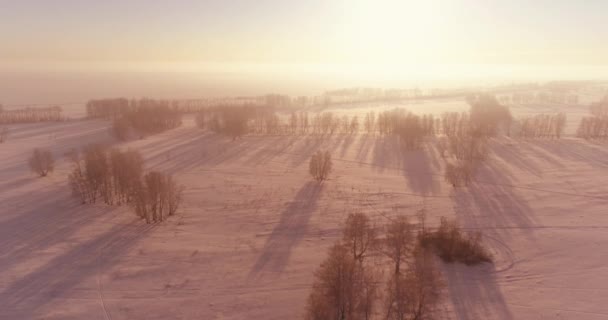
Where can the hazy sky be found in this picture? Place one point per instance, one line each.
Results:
(323, 32)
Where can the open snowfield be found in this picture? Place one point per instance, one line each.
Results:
(254, 225)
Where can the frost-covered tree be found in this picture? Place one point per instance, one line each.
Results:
(42, 162)
(320, 165)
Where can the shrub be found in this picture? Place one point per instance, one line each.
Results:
(41, 162)
(320, 165)
(453, 245)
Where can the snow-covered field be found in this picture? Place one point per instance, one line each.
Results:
(254, 226)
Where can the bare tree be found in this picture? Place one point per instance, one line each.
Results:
(320, 165)
(414, 294)
(41, 162)
(359, 236)
(333, 289)
(343, 289)
(399, 241)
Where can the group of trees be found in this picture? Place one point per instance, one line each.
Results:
(466, 134)
(462, 147)
(146, 117)
(159, 197)
(347, 284)
(106, 174)
(596, 125)
(542, 126)
(410, 128)
(143, 116)
(30, 114)
(117, 177)
(229, 120)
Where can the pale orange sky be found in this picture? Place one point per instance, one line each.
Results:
(384, 34)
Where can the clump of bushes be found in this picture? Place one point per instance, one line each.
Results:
(42, 162)
(320, 165)
(451, 244)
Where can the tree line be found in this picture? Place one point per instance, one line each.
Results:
(140, 117)
(542, 126)
(30, 114)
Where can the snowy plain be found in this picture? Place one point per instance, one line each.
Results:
(254, 226)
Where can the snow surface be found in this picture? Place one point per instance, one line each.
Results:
(254, 226)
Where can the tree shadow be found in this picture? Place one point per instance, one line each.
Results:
(304, 150)
(513, 155)
(26, 296)
(492, 202)
(475, 293)
(386, 153)
(420, 167)
(365, 145)
(346, 143)
(42, 224)
(418, 173)
(289, 231)
(592, 154)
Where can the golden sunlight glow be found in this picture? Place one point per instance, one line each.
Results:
(395, 31)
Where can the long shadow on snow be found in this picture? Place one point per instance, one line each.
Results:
(27, 295)
(38, 225)
(475, 293)
(288, 232)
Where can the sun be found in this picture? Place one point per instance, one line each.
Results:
(391, 31)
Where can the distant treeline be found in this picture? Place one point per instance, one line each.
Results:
(30, 114)
(539, 97)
